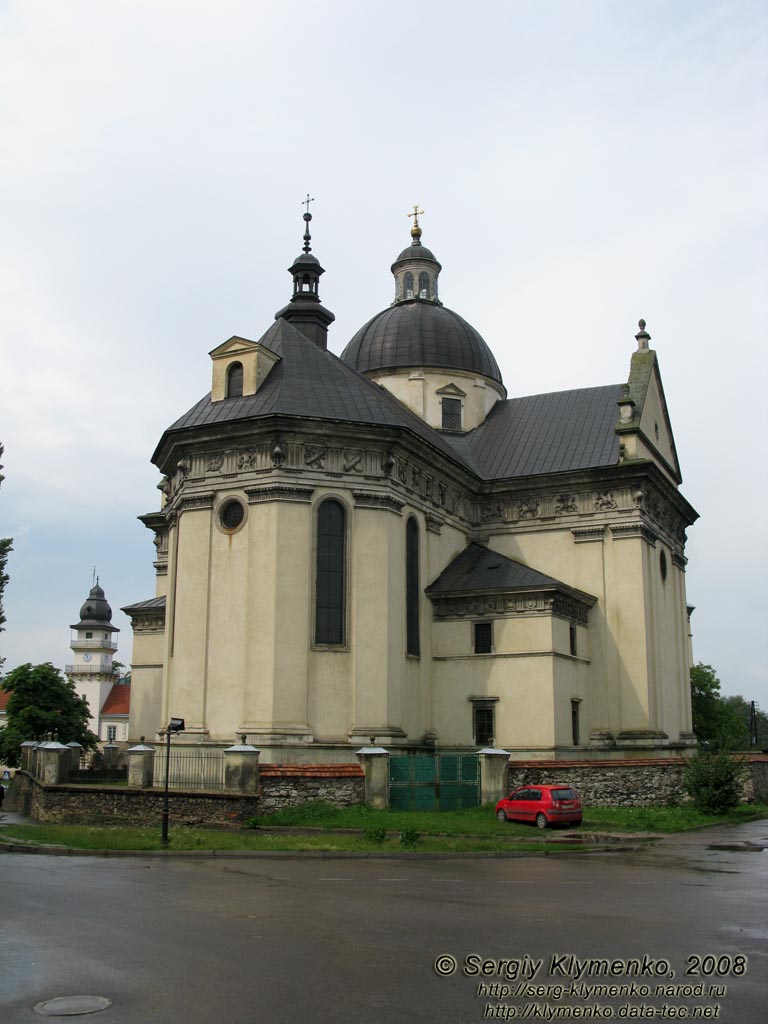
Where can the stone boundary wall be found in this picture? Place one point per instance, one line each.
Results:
(281, 786)
(291, 785)
(629, 783)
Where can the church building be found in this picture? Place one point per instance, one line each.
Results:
(386, 545)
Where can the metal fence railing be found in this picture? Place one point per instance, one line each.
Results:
(191, 769)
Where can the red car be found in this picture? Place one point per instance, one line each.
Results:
(541, 805)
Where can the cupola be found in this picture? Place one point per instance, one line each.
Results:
(305, 310)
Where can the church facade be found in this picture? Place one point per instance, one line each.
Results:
(385, 545)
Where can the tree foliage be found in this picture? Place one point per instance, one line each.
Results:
(717, 722)
(714, 780)
(42, 701)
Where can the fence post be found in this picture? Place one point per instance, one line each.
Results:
(241, 768)
(375, 762)
(54, 762)
(28, 748)
(75, 753)
(141, 766)
(493, 774)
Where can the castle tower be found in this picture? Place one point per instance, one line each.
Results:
(93, 647)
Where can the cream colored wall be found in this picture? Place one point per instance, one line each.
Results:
(418, 389)
(652, 417)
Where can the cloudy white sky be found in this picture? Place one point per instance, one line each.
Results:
(581, 164)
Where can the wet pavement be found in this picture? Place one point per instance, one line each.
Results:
(241, 941)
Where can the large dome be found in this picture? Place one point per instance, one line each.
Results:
(420, 333)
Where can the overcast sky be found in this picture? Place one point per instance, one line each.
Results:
(581, 164)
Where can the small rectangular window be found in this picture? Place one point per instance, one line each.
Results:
(575, 722)
(111, 733)
(483, 726)
(89, 636)
(483, 638)
(572, 637)
(451, 413)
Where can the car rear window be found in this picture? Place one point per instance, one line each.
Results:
(564, 794)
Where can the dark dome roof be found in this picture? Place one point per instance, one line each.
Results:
(96, 611)
(419, 333)
(416, 251)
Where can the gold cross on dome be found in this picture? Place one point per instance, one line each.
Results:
(416, 214)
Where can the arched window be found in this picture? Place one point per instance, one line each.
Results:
(235, 380)
(423, 285)
(408, 285)
(412, 587)
(331, 570)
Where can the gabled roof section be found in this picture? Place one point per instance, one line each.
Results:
(557, 432)
(233, 346)
(650, 417)
(151, 604)
(118, 701)
(309, 382)
(479, 570)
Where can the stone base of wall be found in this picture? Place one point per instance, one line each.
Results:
(281, 786)
(629, 783)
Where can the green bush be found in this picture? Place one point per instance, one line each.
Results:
(375, 834)
(410, 837)
(714, 779)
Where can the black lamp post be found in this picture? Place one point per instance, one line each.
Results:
(175, 725)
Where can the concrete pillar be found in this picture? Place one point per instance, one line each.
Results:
(110, 751)
(53, 764)
(141, 766)
(28, 748)
(375, 762)
(493, 774)
(241, 768)
(75, 753)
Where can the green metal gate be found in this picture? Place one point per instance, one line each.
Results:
(434, 782)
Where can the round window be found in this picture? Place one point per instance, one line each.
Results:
(231, 515)
(663, 566)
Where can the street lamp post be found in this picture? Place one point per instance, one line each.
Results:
(175, 725)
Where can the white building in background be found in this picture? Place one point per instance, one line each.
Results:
(92, 671)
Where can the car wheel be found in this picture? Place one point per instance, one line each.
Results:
(501, 814)
(541, 820)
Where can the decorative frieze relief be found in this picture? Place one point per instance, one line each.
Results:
(315, 455)
(605, 500)
(378, 500)
(353, 460)
(587, 534)
(629, 531)
(565, 504)
(510, 606)
(279, 492)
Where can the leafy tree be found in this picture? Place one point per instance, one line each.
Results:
(6, 546)
(716, 721)
(714, 780)
(743, 709)
(42, 701)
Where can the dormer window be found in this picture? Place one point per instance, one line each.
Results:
(451, 413)
(423, 285)
(408, 285)
(235, 380)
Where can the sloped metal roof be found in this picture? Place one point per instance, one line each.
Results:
(551, 433)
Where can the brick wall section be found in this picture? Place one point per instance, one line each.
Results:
(631, 783)
(281, 786)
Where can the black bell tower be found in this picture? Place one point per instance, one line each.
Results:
(305, 310)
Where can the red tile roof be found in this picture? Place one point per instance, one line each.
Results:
(119, 700)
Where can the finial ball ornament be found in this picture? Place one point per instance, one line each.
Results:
(641, 324)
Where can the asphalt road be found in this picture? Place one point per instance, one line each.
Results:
(245, 941)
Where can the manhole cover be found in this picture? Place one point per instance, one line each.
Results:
(72, 1006)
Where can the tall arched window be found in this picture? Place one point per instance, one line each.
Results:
(331, 570)
(423, 285)
(412, 587)
(235, 380)
(408, 285)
